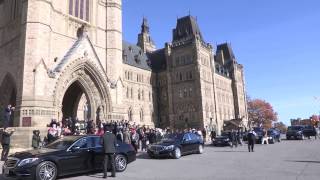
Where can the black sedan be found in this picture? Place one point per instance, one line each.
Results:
(176, 145)
(66, 156)
(222, 140)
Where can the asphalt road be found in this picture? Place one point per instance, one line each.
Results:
(288, 160)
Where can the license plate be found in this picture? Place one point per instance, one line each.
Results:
(5, 171)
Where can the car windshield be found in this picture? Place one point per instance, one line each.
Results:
(62, 143)
(226, 134)
(297, 128)
(172, 137)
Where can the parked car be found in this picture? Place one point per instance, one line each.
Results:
(295, 132)
(274, 135)
(222, 140)
(176, 145)
(259, 134)
(66, 156)
(309, 131)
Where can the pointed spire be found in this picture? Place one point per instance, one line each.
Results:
(145, 26)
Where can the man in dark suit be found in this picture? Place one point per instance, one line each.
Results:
(5, 142)
(109, 145)
(7, 115)
(251, 140)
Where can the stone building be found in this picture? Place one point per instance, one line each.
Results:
(63, 59)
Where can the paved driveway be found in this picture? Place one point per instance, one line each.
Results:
(288, 160)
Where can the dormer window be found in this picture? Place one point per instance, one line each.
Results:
(137, 59)
(79, 9)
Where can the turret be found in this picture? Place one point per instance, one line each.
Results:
(144, 38)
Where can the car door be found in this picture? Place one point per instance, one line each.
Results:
(194, 142)
(98, 154)
(77, 157)
(186, 145)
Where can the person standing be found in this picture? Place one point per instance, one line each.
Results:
(213, 135)
(251, 140)
(109, 142)
(126, 136)
(204, 134)
(36, 139)
(7, 115)
(5, 142)
(233, 139)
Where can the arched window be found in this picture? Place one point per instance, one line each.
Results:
(141, 115)
(127, 94)
(130, 114)
(79, 9)
(142, 95)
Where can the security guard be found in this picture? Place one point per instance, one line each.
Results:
(109, 146)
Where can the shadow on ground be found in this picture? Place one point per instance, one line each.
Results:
(303, 161)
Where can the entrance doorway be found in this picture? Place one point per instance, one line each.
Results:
(8, 95)
(76, 103)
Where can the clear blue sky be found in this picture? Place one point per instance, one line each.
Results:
(277, 41)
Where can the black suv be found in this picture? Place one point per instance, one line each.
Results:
(295, 132)
(309, 131)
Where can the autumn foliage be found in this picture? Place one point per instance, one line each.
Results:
(261, 113)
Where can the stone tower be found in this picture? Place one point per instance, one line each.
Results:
(144, 39)
(190, 76)
(58, 56)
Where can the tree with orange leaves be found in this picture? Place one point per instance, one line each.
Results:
(261, 113)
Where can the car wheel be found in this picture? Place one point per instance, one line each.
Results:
(200, 149)
(46, 170)
(177, 153)
(121, 163)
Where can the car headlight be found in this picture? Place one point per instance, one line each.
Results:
(27, 161)
(171, 147)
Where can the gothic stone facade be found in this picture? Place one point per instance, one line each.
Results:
(61, 58)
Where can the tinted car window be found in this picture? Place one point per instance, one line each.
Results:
(297, 128)
(172, 137)
(81, 143)
(186, 137)
(97, 141)
(194, 136)
(60, 144)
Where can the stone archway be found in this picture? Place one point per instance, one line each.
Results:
(82, 77)
(71, 102)
(8, 95)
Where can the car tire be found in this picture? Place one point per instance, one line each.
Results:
(121, 162)
(200, 149)
(177, 153)
(46, 170)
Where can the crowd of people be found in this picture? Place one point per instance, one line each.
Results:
(131, 133)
